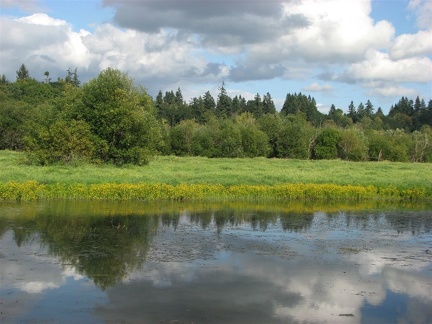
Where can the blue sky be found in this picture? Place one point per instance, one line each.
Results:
(334, 50)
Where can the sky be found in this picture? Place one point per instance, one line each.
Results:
(337, 51)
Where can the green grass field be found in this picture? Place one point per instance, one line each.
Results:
(226, 172)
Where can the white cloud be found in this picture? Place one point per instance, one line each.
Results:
(392, 91)
(316, 87)
(339, 31)
(198, 43)
(423, 10)
(412, 45)
(379, 66)
(35, 287)
(42, 43)
(43, 20)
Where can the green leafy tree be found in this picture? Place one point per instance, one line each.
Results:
(353, 145)
(72, 77)
(271, 124)
(203, 141)
(421, 148)
(338, 117)
(122, 117)
(181, 137)
(293, 140)
(254, 141)
(326, 145)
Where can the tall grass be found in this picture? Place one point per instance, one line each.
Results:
(196, 178)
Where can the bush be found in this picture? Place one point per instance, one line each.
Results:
(63, 142)
(326, 145)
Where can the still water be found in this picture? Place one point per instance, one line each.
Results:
(111, 262)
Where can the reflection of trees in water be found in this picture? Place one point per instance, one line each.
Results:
(400, 221)
(296, 222)
(171, 219)
(416, 223)
(105, 244)
(105, 249)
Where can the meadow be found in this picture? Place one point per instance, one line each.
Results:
(198, 178)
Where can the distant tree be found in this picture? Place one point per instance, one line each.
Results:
(72, 77)
(268, 106)
(361, 113)
(369, 109)
(47, 78)
(209, 102)
(22, 73)
(3, 79)
(404, 106)
(255, 106)
(352, 112)
(223, 106)
(338, 117)
(299, 103)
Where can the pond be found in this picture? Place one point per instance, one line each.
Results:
(110, 262)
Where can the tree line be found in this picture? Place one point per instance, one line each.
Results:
(109, 119)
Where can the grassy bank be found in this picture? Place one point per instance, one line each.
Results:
(202, 178)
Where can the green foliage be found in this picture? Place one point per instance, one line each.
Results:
(254, 141)
(121, 116)
(421, 148)
(126, 126)
(227, 138)
(271, 124)
(203, 142)
(22, 73)
(300, 103)
(61, 142)
(181, 137)
(294, 138)
(326, 145)
(353, 145)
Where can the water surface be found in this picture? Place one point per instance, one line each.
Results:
(97, 262)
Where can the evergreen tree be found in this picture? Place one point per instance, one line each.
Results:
(268, 104)
(22, 73)
(209, 102)
(369, 109)
(360, 111)
(352, 113)
(223, 106)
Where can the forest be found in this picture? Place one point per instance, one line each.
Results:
(110, 120)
